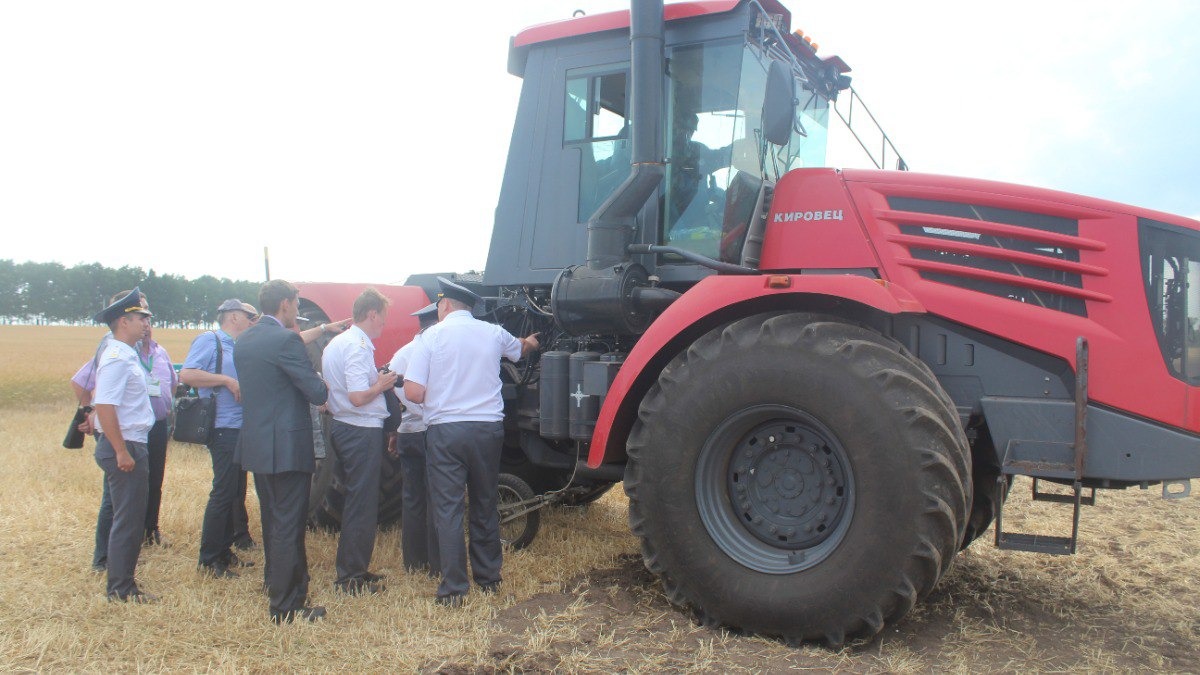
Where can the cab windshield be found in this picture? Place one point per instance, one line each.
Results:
(717, 158)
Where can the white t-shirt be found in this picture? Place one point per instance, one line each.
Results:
(121, 382)
(412, 420)
(458, 363)
(348, 364)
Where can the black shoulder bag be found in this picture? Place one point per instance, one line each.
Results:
(195, 415)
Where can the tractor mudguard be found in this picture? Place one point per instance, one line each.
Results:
(720, 296)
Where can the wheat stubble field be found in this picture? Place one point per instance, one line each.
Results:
(578, 600)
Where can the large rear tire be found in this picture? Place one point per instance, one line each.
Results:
(797, 476)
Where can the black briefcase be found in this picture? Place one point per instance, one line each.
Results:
(194, 418)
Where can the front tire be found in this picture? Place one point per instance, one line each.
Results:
(798, 476)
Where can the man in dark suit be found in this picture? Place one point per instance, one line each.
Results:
(278, 383)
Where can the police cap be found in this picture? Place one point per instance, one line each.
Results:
(130, 303)
(427, 315)
(455, 292)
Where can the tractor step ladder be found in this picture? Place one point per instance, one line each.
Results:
(1051, 460)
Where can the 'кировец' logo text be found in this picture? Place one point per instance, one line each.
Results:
(794, 216)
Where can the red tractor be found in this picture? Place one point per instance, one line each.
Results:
(817, 385)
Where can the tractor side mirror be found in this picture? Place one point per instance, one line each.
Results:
(779, 104)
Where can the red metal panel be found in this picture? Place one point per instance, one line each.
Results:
(1126, 369)
(337, 301)
(596, 23)
(813, 224)
(712, 295)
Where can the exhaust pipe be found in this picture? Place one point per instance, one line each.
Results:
(598, 296)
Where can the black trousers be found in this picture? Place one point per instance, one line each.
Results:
(217, 532)
(156, 444)
(418, 537)
(465, 456)
(128, 492)
(283, 501)
(360, 452)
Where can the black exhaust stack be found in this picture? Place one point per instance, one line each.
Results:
(601, 296)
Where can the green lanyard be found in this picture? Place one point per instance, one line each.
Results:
(148, 366)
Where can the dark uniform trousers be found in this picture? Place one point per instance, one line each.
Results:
(129, 492)
(418, 536)
(465, 454)
(360, 452)
(283, 500)
(217, 532)
(157, 447)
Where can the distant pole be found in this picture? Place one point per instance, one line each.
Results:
(266, 263)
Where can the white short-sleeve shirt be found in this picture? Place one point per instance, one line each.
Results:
(121, 382)
(348, 364)
(412, 420)
(458, 363)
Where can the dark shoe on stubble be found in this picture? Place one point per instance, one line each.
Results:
(310, 614)
(358, 587)
(137, 598)
(155, 538)
(218, 571)
(452, 600)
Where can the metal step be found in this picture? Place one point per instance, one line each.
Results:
(1036, 543)
(1051, 459)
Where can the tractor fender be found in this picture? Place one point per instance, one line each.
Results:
(715, 300)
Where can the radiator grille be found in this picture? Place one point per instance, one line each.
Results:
(1020, 255)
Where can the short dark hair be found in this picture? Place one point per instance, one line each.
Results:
(368, 300)
(273, 293)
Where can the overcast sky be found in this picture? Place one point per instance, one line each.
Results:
(365, 141)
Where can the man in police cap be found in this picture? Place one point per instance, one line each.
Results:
(455, 372)
(124, 417)
(418, 538)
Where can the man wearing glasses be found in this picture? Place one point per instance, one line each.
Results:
(209, 367)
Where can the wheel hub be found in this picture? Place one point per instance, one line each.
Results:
(786, 486)
(775, 488)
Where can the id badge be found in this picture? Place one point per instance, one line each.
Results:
(153, 385)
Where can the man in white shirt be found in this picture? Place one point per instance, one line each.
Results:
(455, 373)
(358, 407)
(124, 418)
(418, 538)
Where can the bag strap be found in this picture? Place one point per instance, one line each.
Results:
(220, 355)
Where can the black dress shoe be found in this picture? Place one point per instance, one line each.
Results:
(155, 538)
(310, 614)
(490, 589)
(218, 571)
(246, 544)
(358, 587)
(137, 597)
(234, 561)
(371, 577)
(100, 568)
(452, 600)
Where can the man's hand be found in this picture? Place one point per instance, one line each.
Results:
(234, 388)
(529, 343)
(393, 445)
(86, 425)
(386, 381)
(338, 326)
(124, 460)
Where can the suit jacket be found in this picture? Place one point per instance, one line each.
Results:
(278, 382)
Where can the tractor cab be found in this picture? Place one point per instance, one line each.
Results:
(744, 101)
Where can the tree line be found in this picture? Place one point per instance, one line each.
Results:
(33, 292)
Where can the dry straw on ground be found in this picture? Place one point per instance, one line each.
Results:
(577, 600)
